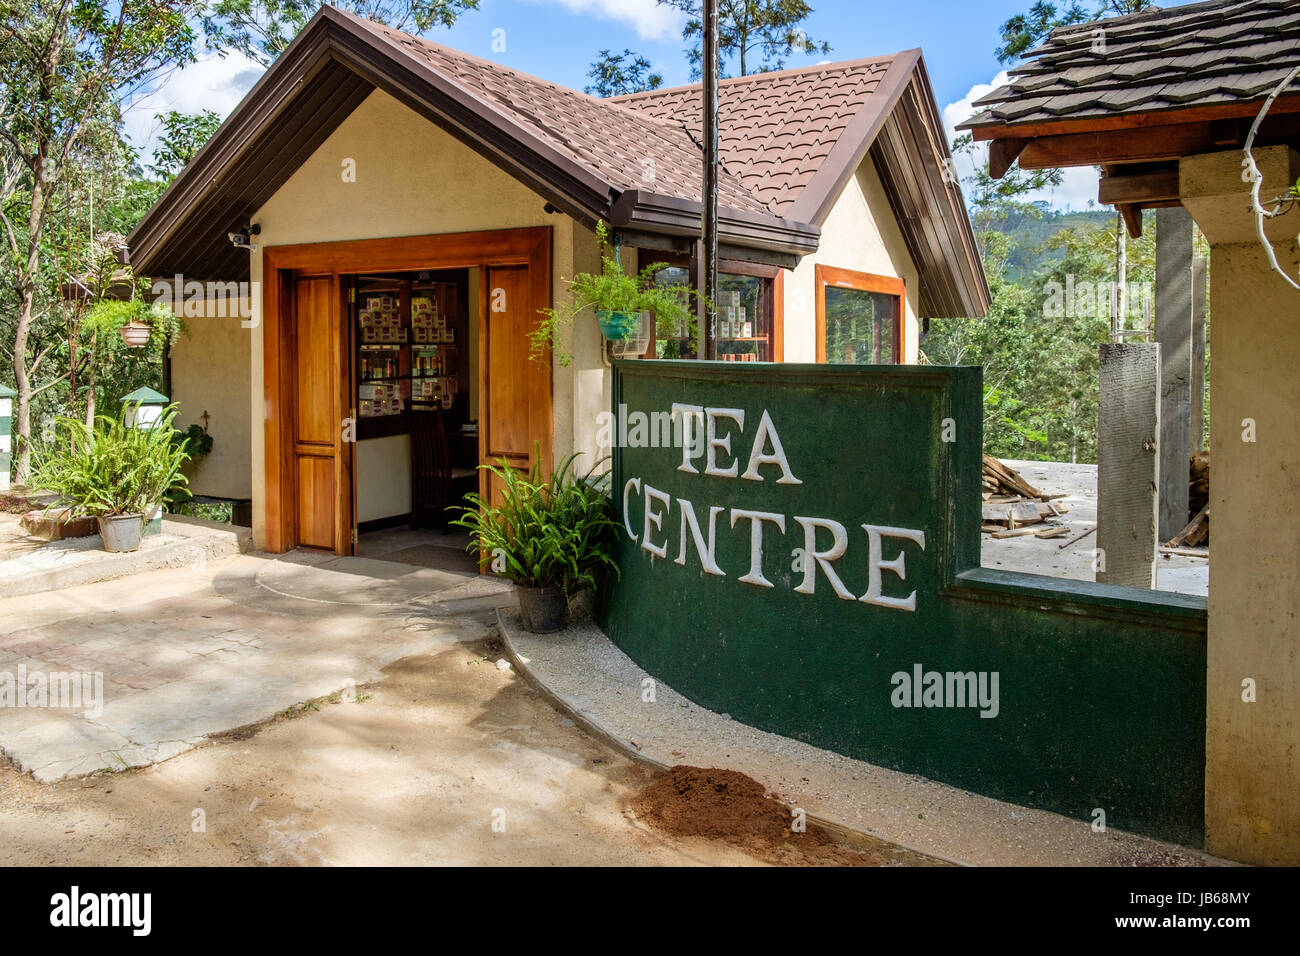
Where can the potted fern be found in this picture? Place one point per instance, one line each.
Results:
(619, 299)
(112, 473)
(551, 538)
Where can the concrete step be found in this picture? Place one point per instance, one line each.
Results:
(62, 564)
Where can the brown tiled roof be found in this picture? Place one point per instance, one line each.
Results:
(776, 129)
(791, 142)
(614, 142)
(1211, 54)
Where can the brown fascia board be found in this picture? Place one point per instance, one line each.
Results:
(652, 212)
(814, 203)
(259, 108)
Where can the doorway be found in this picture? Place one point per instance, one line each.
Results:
(369, 347)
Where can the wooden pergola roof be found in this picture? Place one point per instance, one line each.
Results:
(1135, 94)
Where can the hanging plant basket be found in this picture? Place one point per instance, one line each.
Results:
(617, 326)
(135, 335)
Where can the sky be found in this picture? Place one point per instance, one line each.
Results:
(558, 39)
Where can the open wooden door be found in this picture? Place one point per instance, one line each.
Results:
(320, 460)
(515, 393)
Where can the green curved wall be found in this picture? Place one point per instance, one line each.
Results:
(1101, 689)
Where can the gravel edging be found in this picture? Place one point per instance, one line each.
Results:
(580, 671)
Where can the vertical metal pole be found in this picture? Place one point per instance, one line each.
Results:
(709, 214)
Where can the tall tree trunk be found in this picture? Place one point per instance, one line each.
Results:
(27, 303)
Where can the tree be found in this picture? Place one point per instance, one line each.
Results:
(617, 74)
(66, 66)
(261, 29)
(183, 135)
(1025, 31)
(769, 29)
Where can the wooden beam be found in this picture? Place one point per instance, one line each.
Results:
(1132, 219)
(1152, 187)
(1002, 153)
(1137, 119)
(1149, 144)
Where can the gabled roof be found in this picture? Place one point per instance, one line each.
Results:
(1215, 54)
(634, 163)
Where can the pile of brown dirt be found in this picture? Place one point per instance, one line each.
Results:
(726, 805)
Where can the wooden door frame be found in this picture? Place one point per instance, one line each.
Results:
(862, 282)
(530, 247)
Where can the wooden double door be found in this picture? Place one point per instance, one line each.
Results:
(311, 384)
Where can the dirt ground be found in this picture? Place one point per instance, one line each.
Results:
(448, 760)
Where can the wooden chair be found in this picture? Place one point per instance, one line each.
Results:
(435, 483)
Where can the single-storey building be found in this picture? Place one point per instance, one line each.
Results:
(369, 236)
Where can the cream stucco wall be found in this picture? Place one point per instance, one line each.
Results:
(411, 179)
(860, 234)
(210, 374)
(1252, 746)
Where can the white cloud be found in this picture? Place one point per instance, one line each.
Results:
(650, 20)
(1079, 183)
(211, 83)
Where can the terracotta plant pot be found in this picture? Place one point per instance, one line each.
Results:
(135, 335)
(121, 532)
(617, 326)
(544, 609)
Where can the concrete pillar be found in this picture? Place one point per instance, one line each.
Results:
(1200, 306)
(1252, 739)
(6, 415)
(1174, 333)
(1128, 468)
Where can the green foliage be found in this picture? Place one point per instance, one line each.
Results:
(1025, 31)
(617, 74)
(767, 29)
(111, 469)
(261, 29)
(612, 290)
(183, 135)
(194, 441)
(1040, 368)
(556, 533)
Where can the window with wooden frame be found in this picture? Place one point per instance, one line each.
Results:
(859, 317)
(747, 327)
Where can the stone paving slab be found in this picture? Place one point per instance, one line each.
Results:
(183, 654)
(584, 673)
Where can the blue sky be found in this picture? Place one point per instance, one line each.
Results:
(557, 39)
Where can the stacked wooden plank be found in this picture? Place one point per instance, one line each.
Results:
(1197, 531)
(1012, 507)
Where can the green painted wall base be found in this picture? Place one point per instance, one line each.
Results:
(1099, 711)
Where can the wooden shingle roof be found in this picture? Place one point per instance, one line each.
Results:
(1220, 53)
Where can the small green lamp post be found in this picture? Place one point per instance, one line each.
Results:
(6, 419)
(143, 408)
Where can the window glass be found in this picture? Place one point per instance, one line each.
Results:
(675, 341)
(742, 330)
(861, 327)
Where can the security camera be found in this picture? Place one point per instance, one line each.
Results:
(242, 238)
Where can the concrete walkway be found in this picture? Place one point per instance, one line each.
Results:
(156, 663)
(582, 672)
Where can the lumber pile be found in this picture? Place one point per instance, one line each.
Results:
(1197, 531)
(1011, 507)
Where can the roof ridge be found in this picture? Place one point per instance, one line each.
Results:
(882, 60)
